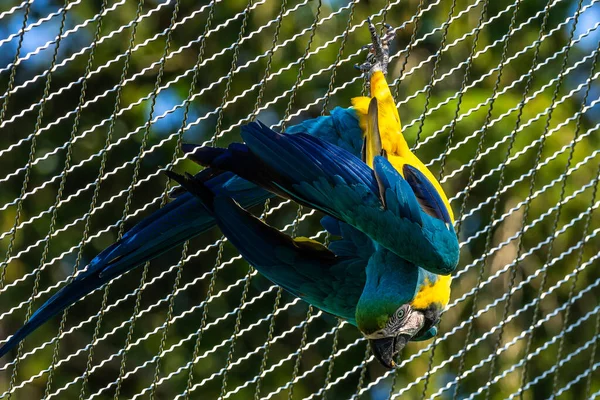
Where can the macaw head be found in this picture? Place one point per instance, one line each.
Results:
(400, 302)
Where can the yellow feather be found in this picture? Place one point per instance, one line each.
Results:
(399, 154)
(390, 130)
(439, 292)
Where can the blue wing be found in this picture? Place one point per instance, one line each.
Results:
(177, 222)
(330, 279)
(340, 128)
(378, 202)
(428, 197)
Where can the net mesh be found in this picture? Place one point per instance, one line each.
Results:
(498, 97)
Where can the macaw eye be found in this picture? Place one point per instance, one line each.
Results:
(400, 314)
(397, 319)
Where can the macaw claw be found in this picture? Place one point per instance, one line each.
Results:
(378, 57)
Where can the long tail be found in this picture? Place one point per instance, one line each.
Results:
(60, 301)
(178, 221)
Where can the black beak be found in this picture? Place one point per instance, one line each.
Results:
(385, 349)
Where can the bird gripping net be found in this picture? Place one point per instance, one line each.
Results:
(499, 98)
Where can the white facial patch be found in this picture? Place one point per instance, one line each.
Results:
(413, 324)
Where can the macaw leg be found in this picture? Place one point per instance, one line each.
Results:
(379, 52)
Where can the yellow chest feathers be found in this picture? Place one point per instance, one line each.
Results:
(438, 292)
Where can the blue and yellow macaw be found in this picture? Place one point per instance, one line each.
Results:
(387, 297)
(388, 274)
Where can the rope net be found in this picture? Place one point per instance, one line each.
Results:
(497, 97)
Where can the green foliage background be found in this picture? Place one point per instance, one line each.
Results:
(224, 97)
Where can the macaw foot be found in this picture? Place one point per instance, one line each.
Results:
(378, 57)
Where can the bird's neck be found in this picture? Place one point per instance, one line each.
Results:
(390, 282)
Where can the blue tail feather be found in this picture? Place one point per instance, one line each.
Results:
(184, 217)
(57, 303)
(171, 225)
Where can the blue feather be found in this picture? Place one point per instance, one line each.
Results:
(399, 196)
(427, 195)
(332, 225)
(176, 222)
(182, 219)
(303, 158)
(341, 128)
(305, 269)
